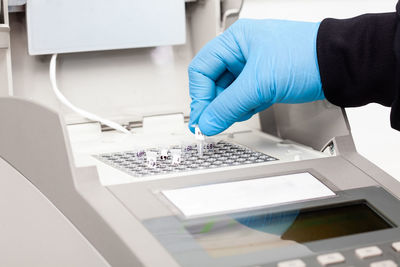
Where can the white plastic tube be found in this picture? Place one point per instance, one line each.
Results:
(83, 113)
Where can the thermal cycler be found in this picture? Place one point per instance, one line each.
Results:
(286, 188)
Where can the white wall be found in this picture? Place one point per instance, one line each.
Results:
(370, 124)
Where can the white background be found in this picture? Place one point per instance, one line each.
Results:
(370, 125)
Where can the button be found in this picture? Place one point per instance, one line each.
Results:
(396, 246)
(387, 263)
(368, 252)
(292, 263)
(331, 258)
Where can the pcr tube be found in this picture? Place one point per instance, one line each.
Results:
(151, 158)
(200, 138)
(176, 155)
(164, 154)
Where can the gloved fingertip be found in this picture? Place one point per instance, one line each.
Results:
(209, 126)
(191, 128)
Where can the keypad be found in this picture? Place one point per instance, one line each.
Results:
(292, 263)
(396, 246)
(385, 263)
(331, 258)
(381, 255)
(368, 252)
(158, 161)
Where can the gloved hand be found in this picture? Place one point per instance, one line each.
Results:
(252, 65)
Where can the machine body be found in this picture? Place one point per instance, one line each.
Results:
(69, 200)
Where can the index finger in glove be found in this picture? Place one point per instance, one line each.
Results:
(216, 60)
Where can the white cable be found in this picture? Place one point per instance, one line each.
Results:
(65, 101)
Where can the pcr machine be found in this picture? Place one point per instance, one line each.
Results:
(286, 188)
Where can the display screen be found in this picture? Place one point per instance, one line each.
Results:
(321, 224)
(243, 234)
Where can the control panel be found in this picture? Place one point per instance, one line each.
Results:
(379, 255)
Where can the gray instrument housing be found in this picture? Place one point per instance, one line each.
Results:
(100, 225)
(184, 247)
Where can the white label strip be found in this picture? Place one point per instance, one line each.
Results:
(248, 194)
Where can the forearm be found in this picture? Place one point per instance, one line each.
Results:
(357, 61)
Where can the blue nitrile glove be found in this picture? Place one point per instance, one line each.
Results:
(252, 65)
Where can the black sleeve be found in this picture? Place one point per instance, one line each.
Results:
(358, 60)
